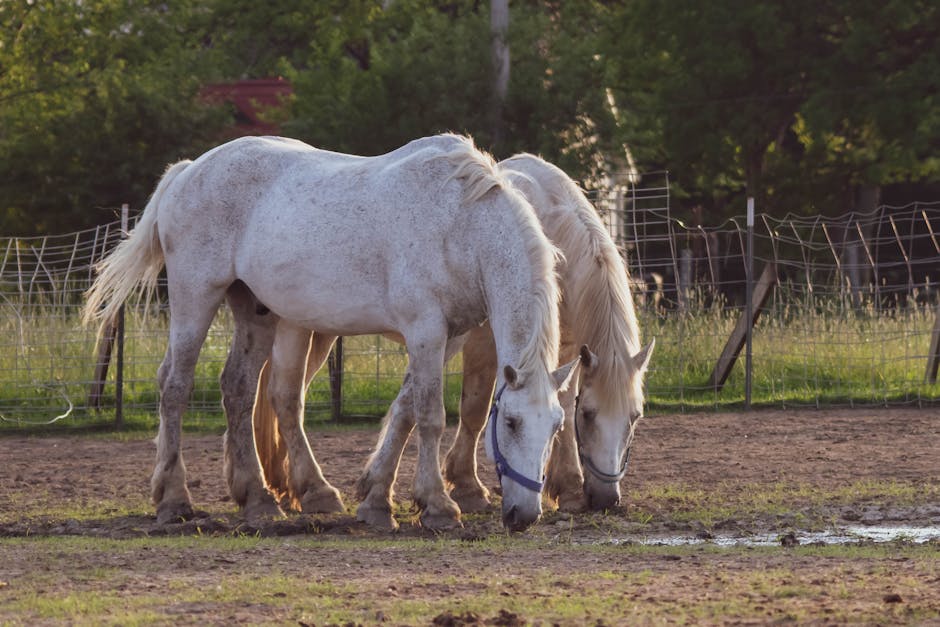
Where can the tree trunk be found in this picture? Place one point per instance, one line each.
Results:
(499, 25)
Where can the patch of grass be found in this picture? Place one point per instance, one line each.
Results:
(411, 581)
(806, 354)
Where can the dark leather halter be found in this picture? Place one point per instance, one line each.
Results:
(586, 460)
(502, 464)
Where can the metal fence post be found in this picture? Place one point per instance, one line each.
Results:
(749, 292)
(119, 373)
(335, 365)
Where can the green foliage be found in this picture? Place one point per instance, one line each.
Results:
(797, 101)
(95, 99)
(427, 70)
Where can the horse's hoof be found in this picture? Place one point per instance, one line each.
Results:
(440, 522)
(324, 501)
(380, 518)
(174, 512)
(472, 499)
(572, 503)
(263, 511)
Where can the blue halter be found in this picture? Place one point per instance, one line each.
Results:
(502, 464)
(586, 460)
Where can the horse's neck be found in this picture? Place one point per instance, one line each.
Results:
(525, 332)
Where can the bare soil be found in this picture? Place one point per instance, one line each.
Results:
(815, 449)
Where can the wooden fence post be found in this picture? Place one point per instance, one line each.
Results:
(739, 335)
(933, 355)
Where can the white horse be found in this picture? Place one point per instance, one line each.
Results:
(590, 455)
(426, 242)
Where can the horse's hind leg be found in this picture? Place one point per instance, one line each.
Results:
(251, 344)
(286, 391)
(460, 466)
(189, 323)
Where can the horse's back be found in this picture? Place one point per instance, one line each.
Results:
(287, 218)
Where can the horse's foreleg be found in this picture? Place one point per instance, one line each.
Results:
(286, 391)
(460, 466)
(564, 481)
(251, 344)
(376, 484)
(427, 368)
(189, 323)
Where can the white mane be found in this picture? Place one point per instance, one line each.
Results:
(597, 292)
(480, 174)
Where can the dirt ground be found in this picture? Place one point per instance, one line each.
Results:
(825, 449)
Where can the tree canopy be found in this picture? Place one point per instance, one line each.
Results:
(797, 103)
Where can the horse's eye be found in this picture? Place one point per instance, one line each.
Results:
(589, 415)
(512, 423)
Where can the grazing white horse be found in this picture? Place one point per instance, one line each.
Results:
(426, 242)
(590, 455)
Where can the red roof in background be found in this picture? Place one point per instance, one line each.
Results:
(249, 98)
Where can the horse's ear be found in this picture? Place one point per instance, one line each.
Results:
(642, 359)
(563, 375)
(512, 377)
(588, 359)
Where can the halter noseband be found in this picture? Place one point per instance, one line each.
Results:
(502, 464)
(586, 460)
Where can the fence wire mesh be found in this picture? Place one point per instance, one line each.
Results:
(850, 317)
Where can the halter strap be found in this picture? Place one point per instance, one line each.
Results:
(502, 464)
(586, 460)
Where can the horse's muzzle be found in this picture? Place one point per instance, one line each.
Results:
(600, 500)
(515, 520)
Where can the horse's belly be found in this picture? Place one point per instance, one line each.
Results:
(346, 310)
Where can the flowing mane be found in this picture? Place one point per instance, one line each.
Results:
(597, 292)
(480, 173)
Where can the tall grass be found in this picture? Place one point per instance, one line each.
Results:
(818, 353)
(822, 355)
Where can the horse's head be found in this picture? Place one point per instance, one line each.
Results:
(604, 428)
(523, 420)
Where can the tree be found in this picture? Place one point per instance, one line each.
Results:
(794, 103)
(95, 99)
(429, 70)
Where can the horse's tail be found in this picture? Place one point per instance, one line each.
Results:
(272, 451)
(136, 260)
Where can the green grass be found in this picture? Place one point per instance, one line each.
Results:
(830, 356)
(411, 581)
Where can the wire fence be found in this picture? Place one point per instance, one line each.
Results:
(849, 317)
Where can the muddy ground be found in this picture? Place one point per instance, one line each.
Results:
(825, 449)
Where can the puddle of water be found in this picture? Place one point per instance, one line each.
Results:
(843, 535)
